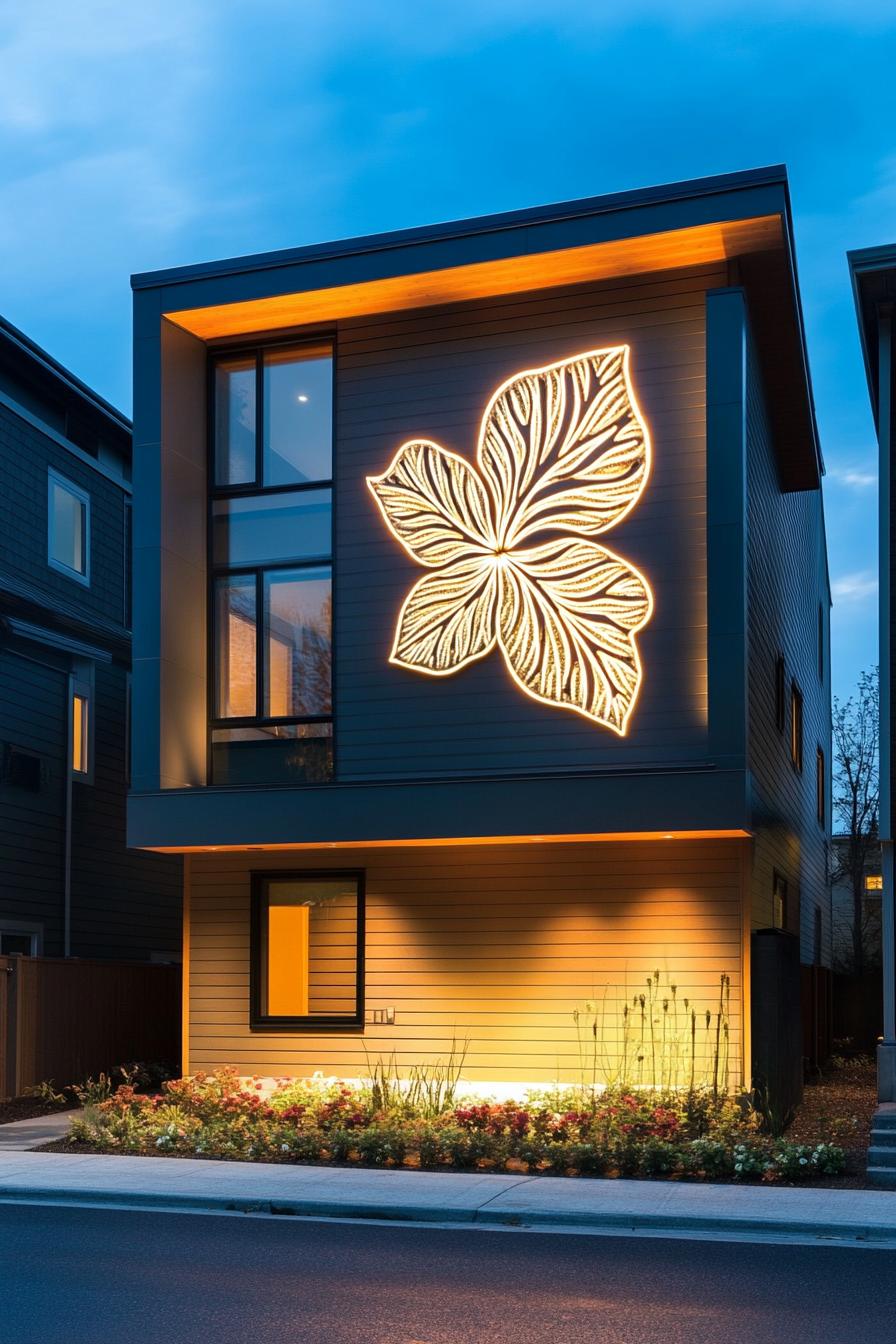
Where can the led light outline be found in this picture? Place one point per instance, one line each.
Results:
(493, 559)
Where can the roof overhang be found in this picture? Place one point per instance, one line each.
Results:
(873, 274)
(742, 218)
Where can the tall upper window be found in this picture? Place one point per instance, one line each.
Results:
(820, 787)
(68, 528)
(796, 726)
(80, 732)
(271, 549)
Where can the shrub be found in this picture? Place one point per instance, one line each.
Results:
(622, 1132)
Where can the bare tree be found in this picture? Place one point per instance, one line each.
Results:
(856, 798)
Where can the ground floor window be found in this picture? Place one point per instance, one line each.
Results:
(307, 948)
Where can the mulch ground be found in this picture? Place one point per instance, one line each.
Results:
(29, 1108)
(837, 1108)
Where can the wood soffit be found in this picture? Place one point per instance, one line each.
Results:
(699, 245)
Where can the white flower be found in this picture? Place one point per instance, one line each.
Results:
(803, 1161)
(284, 1147)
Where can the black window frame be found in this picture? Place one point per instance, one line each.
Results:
(260, 879)
(821, 643)
(796, 727)
(821, 807)
(311, 340)
(780, 888)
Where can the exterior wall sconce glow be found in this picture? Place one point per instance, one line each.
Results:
(563, 455)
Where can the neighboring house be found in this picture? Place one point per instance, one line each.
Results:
(68, 885)
(843, 909)
(460, 733)
(873, 272)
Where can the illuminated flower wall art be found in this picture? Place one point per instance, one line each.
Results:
(563, 456)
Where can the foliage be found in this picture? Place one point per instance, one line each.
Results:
(856, 803)
(630, 1132)
(654, 1039)
(46, 1093)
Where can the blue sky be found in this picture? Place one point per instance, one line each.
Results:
(134, 137)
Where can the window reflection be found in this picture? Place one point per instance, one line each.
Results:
(264, 529)
(236, 647)
(235, 420)
(298, 405)
(298, 619)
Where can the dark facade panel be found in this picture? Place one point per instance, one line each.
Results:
(430, 375)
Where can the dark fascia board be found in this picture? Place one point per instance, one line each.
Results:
(720, 199)
(617, 202)
(50, 369)
(872, 272)
(410, 810)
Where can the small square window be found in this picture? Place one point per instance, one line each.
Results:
(779, 901)
(308, 948)
(874, 882)
(68, 528)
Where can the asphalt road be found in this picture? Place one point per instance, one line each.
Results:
(70, 1275)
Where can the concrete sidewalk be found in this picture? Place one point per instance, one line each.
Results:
(856, 1217)
(20, 1136)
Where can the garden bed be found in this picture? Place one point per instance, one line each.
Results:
(31, 1108)
(838, 1106)
(564, 1132)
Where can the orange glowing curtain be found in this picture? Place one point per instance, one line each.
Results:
(288, 935)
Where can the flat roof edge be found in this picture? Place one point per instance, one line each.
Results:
(61, 374)
(720, 184)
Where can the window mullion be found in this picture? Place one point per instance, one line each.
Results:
(259, 419)
(260, 624)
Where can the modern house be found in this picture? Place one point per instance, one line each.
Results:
(68, 884)
(481, 634)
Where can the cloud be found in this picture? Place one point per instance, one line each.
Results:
(854, 588)
(855, 478)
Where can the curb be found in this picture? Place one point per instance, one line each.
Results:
(867, 1234)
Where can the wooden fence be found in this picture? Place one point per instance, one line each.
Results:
(816, 1004)
(64, 1019)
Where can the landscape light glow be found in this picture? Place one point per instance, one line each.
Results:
(563, 456)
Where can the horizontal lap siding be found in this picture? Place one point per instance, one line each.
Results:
(787, 583)
(430, 374)
(496, 946)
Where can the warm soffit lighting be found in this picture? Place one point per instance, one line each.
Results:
(563, 455)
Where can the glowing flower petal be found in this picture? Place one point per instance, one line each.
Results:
(564, 448)
(569, 612)
(448, 619)
(434, 503)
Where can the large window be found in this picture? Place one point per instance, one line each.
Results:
(307, 948)
(68, 528)
(271, 547)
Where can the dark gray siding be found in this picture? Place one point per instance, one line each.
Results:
(430, 374)
(25, 455)
(123, 904)
(33, 720)
(787, 581)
